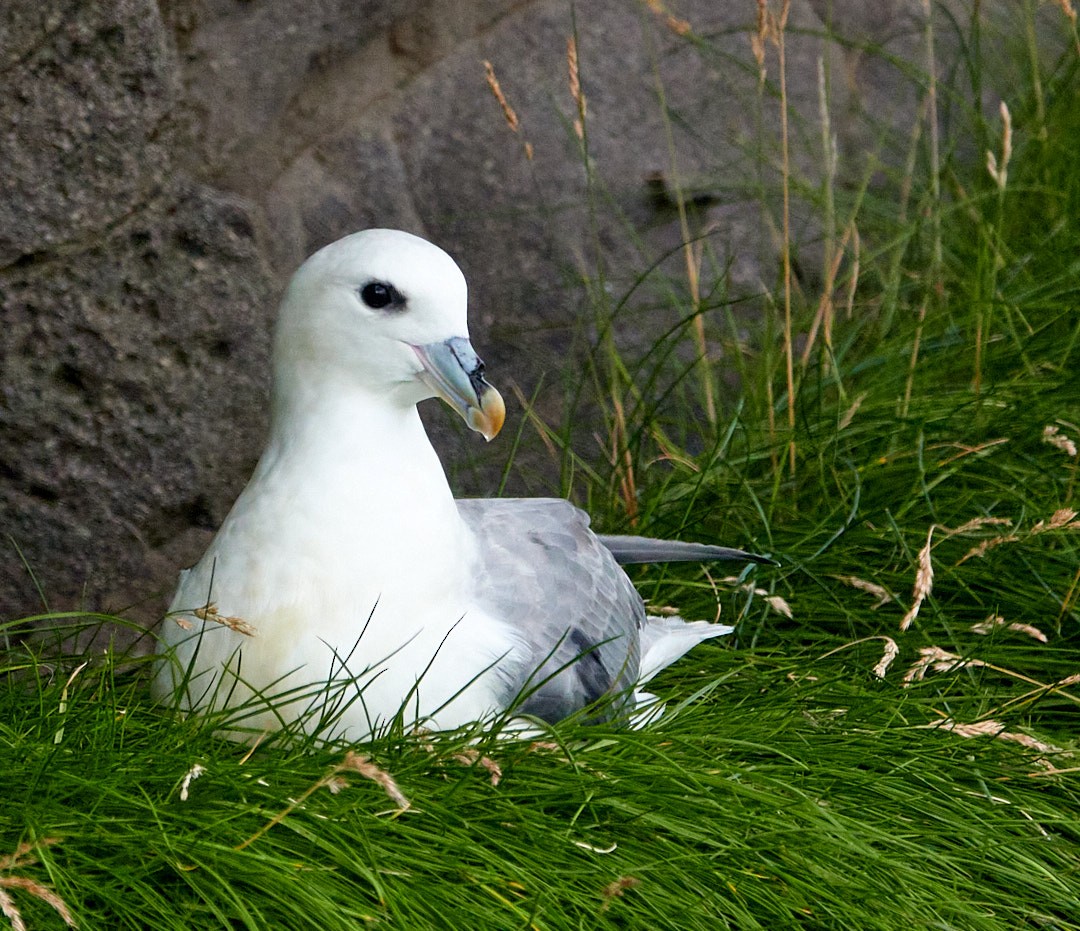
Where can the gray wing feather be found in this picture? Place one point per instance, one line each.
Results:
(629, 550)
(544, 571)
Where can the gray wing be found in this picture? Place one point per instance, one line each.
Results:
(546, 573)
(629, 550)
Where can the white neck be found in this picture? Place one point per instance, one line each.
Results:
(354, 463)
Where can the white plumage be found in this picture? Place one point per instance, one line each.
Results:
(347, 585)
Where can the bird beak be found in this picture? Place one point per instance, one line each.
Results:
(455, 373)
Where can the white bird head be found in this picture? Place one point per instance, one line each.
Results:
(386, 312)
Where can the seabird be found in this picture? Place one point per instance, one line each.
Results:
(347, 588)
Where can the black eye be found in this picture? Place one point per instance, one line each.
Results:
(378, 295)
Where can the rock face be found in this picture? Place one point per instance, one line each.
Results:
(87, 92)
(112, 356)
(164, 167)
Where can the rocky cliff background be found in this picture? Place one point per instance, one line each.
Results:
(164, 166)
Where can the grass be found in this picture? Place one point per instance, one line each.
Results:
(792, 785)
(784, 794)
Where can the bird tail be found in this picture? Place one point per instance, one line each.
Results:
(665, 639)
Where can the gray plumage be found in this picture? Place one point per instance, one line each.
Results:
(546, 573)
(631, 550)
(560, 585)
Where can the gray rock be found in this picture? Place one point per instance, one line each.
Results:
(87, 88)
(135, 378)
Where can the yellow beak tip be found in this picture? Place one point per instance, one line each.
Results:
(488, 418)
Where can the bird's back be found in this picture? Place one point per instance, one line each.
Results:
(543, 571)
